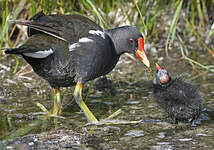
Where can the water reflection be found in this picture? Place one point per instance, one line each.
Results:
(133, 96)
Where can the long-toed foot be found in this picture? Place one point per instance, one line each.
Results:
(56, 111)
(89, 115)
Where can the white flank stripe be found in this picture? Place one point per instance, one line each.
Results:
(73, 46)
(85, 40)
(97, 32)
(39, 54)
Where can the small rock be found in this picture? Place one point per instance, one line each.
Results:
(185, 139)
(135, 133)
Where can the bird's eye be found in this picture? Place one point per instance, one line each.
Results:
(131, 41)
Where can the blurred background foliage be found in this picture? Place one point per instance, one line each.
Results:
(161, 21)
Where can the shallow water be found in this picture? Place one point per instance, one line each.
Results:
(132, 94)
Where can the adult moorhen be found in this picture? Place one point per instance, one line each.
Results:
(181, 100)
(69, 50)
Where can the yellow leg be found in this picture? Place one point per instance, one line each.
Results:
(89, 115)
(57, 104)
(78, 97)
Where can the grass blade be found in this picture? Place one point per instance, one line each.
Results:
(172, 28)
(101, 20)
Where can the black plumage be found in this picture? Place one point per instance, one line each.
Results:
(181, 100)
(69, 50)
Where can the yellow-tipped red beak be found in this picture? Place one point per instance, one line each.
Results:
(157, 66)
(141, 54)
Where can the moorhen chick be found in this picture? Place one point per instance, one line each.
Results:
(181, 100)
(68, 50)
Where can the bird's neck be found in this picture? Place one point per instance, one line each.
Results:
(119, 46)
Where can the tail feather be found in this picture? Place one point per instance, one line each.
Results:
(22, 22)
(39, 26)
(35, 25)
(14, 51)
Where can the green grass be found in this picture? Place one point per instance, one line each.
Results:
(147, 15)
